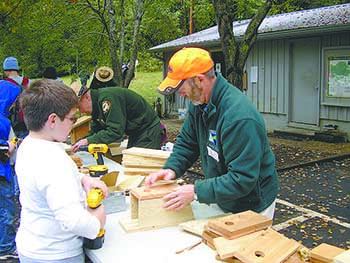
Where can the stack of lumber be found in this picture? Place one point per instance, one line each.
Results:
(249, 238)
(142, 161)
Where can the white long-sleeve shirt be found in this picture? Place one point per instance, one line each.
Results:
(53, 216)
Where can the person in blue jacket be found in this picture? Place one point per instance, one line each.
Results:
(8, 95)
(228, 133)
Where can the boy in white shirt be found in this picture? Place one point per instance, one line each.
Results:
(54, 216)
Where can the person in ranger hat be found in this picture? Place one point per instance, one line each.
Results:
(116, 112)
(227, 132)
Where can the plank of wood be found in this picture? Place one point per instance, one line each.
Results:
(265, 246)
(294, 258)
(197, 226)
(138, 151)
(324, 253)
(143, 159)
(227, 248)
(130, 183)
(343, 257)
(139, 171)
(208, 238)
(142, 165)
(110, 179)
(158, 191)
(240, 224)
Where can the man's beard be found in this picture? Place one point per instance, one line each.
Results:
(196, 96)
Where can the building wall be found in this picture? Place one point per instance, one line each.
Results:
(268, 76)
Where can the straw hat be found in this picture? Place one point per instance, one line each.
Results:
(104, 74)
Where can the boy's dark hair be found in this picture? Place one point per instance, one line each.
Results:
(43, 98)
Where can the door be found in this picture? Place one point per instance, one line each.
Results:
(305, 81)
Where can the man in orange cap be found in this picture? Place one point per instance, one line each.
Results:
(227, 132)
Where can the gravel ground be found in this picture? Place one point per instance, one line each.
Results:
(314, 201)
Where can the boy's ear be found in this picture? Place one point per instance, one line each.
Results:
(52, 118)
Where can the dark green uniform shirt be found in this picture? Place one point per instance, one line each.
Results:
(229, 135)
(117, 111)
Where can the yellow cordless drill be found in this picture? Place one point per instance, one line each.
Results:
(94, 200)
(96, 150)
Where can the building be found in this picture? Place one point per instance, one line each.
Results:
(298, 72)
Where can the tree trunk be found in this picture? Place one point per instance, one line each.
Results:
(113, 42)
(138, 15)
(236, 53)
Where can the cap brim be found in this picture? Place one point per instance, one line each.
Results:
(169, 86)
(82, 91)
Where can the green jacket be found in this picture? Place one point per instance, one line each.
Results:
(117, 111)
(230, 136)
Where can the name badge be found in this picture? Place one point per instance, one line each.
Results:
(213, 153)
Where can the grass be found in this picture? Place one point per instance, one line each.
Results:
(145, 84)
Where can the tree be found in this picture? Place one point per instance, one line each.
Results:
(236, 52)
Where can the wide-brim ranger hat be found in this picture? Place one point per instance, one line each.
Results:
(185, 64)
(104, 74)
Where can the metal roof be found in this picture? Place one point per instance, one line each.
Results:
(325, 19)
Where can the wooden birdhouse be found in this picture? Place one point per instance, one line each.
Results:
(147, 212)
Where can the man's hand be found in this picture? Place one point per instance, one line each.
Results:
(179, 198)
(165, 174)
(76, 146)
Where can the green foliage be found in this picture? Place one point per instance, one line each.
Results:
(146, 84)
(71, 37)
(147, 63)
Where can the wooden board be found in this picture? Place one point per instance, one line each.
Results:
(208, 238)
(80, 129)
(110, 179)
(265, 246)
(142, 165)
(158, 191)
(145, 152)
(240, 224)
(324, 253)
(139, 171)
(343, 257)
(143, 160)
(295, 258)
(130, 183)
(197, 226)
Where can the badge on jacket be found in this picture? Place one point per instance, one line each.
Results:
(106, 105)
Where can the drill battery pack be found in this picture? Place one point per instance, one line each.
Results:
(94, 243)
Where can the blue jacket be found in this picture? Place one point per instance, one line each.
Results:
(8, 95)
(230, 137)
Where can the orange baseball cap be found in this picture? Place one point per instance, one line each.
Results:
(185, 64)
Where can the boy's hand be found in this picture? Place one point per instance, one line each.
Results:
(89, 183)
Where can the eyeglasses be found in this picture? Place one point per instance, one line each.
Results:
(73, 119)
